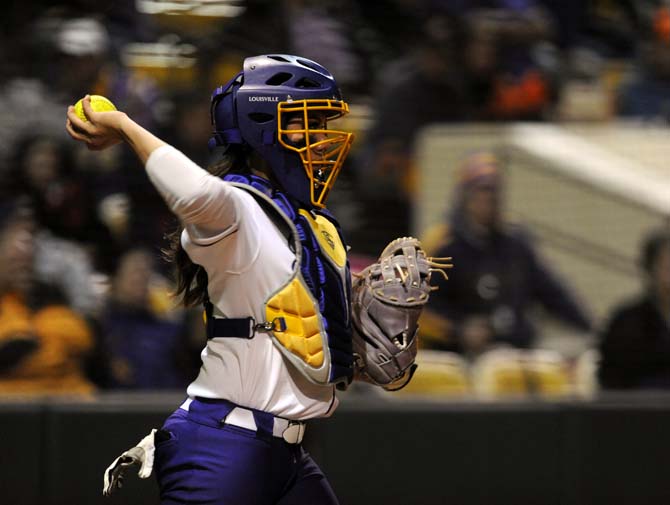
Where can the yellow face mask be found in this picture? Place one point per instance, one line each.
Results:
(303, 128)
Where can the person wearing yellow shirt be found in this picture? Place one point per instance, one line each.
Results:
(43, 342)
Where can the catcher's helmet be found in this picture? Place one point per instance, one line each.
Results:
(255, 107)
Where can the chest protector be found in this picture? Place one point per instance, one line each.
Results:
(309, 317)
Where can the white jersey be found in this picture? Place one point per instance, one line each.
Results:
(246, 258)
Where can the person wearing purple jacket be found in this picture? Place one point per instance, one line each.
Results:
(498, 277)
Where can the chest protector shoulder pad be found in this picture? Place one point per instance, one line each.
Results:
(310, 314)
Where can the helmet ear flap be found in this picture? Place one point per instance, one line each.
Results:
(225, 130)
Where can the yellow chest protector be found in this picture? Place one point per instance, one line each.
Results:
(311, 330)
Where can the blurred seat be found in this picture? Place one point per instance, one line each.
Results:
(547, 373)
(506, 373)
(499, 373)
(586, 373)
(440, 373)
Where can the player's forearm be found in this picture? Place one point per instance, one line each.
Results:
(142, 141)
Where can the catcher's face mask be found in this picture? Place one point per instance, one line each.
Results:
(303, 128)
(255, 107)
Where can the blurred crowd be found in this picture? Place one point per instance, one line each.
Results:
(84, 294)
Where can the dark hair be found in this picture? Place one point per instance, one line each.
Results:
(191, 278)
(652, 246)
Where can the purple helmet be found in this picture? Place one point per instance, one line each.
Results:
(256, 107)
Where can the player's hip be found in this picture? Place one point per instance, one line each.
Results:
(212, 451)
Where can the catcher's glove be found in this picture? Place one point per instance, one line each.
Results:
(387, 299)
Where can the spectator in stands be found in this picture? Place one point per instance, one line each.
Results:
(43, 343)
(471, 62)
(635, 343)
(519, 34)
(84, 46)
(64, 264)
(83, 59)
(43, 168)
(143, 335)
(497, 276)
(423, 87)
(646, 92)
(329, 32)
(72, 56)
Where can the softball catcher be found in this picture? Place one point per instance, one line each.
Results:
(268, 261)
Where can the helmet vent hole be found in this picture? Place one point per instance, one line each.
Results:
(307, 83)
(261, 117)
(311, 65)
(278, 58)
(278, 79)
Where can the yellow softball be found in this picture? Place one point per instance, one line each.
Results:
(98, 104)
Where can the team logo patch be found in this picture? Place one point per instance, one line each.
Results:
(329, 239)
